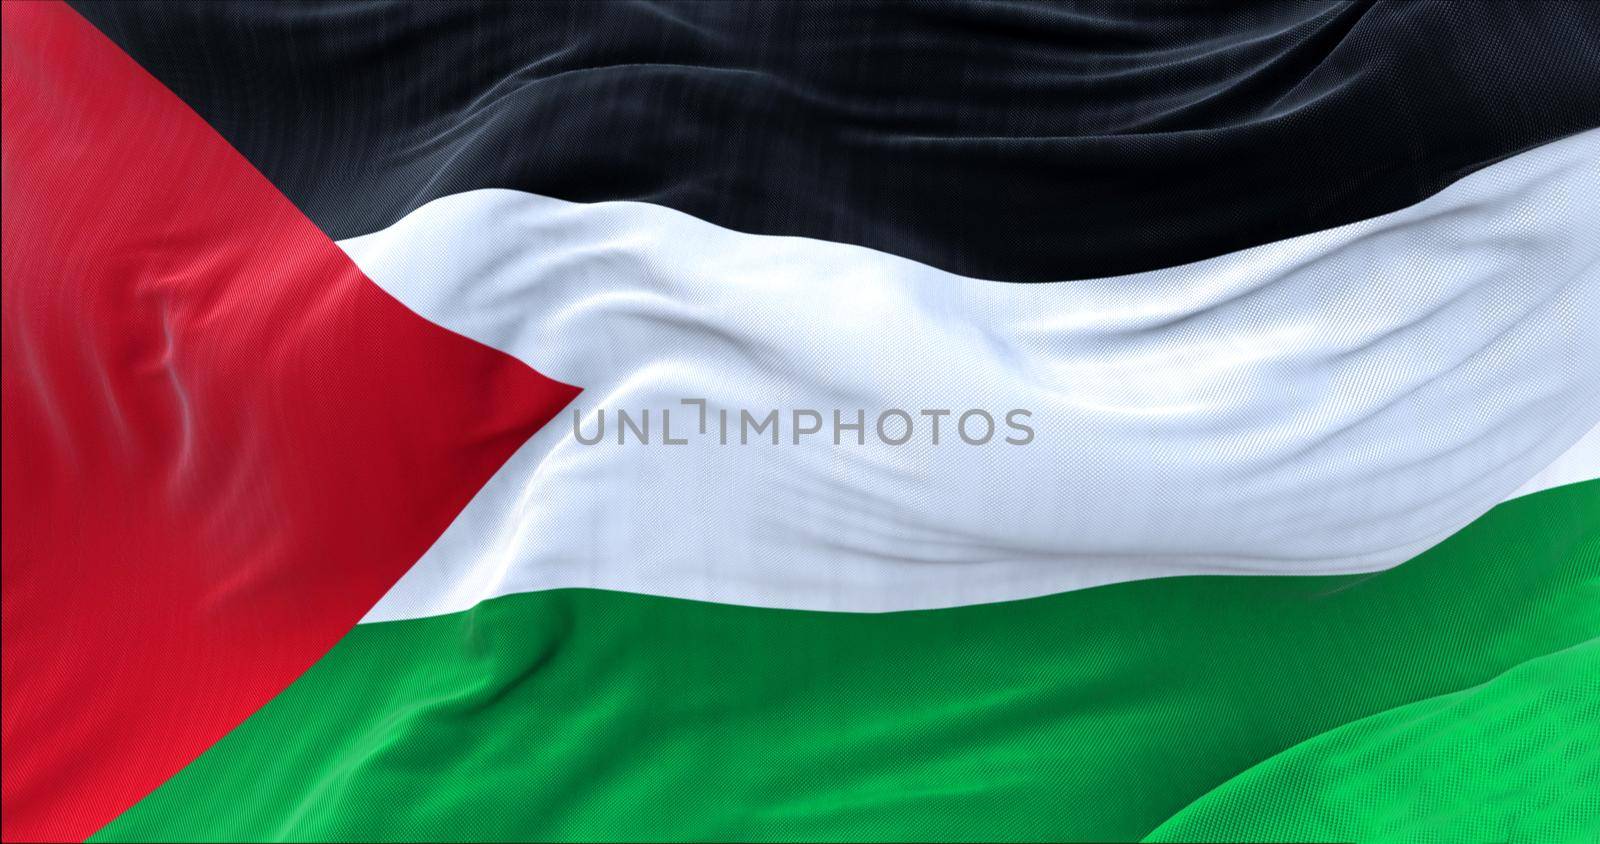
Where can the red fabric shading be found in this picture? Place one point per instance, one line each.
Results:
(222, 443)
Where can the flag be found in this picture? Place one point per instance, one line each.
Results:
(610, 421)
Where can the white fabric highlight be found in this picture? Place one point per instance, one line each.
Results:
(1336, 402)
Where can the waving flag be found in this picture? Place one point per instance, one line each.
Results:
(620, 421)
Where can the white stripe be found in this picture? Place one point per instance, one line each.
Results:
(1337, 402)
(1579, 463)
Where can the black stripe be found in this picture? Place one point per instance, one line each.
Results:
(996, 140)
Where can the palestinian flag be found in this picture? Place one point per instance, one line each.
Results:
(794, 421)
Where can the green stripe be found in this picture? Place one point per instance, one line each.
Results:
(1515, 759)
(1098, 714)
